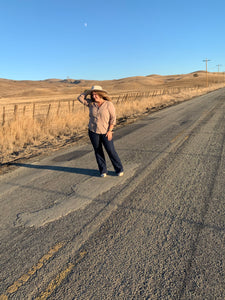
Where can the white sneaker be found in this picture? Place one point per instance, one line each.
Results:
(120, 174)
(103, 175)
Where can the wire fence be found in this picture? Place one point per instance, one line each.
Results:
(45, 109)
(39, 111)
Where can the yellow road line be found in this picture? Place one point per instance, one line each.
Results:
(24, 278)
(56, 282)
(176, 137)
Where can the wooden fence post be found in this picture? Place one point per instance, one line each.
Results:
(69, 106)
(136, 96)
(33, 110)
(15, 111)
(48, 112)
(3, 116)
(24, 110)
(58, 109)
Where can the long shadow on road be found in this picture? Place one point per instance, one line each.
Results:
(82, 171)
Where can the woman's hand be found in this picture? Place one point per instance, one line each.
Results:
(109, 135)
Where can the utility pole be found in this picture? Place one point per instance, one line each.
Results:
(218, 72)
(218, 67)
(206, 61)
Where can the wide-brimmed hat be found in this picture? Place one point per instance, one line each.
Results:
(96, 88)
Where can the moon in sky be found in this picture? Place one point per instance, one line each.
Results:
(85, 24)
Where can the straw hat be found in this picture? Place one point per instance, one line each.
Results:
(95, 88)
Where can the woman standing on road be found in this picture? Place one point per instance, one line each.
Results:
(102, 118)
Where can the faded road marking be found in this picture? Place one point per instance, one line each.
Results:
(176, 137)
(56, 282)
(24, 278)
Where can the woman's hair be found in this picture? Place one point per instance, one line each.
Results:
(101, 94)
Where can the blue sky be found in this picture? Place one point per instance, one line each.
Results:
(100, 39)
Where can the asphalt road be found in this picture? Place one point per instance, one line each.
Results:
(156, 233)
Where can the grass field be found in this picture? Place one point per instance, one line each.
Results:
(43, 116)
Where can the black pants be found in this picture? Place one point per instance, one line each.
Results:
(99, 140)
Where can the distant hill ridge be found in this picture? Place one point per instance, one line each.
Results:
(26, 88)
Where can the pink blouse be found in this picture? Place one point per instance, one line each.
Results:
(100, 118)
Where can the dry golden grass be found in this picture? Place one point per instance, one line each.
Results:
(146, 103)
(24, 135)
